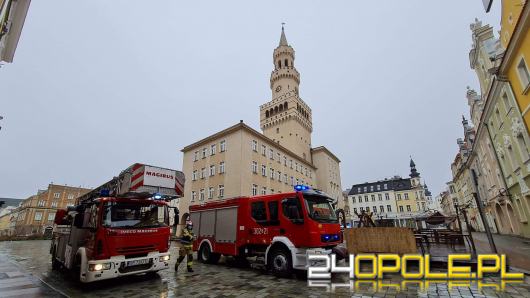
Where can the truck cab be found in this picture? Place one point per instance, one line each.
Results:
(110, 237)
(281, 230)
(119, 228)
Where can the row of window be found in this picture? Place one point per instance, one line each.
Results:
(378, 187)
(277, 156)
(382, 209)
(262, 191)
(275, 175)
(379, 197)
(211, 193)
(54, 204)
(522, 148)
(203, 173)
(374, 209)
(212, 150)
(276, 109)
(38, 216)
(399, 197)
(57, 195)
(42, 203)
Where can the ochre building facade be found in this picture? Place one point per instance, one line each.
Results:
(241, 161)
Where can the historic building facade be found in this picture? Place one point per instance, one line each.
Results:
(515, 39)
(12, 18)
(240, 161)
(493, 158)
(399, 199)
(514, 71)
(38, 211)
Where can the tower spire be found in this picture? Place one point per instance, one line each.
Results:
(413, 172)
(283, 39)
(286, 119)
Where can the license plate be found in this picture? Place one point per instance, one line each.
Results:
(317, 263)
(137, 262)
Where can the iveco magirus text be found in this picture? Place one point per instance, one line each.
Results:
(120, 228)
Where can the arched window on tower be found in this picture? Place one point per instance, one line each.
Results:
(271, 112)
(279, 63)
(267, 114)
(286, 63)
(275, 109)
(281, 108)
(285, 105)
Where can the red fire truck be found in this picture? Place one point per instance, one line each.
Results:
(120, 228)
(279, 230)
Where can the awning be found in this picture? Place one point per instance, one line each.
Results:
(435, 218)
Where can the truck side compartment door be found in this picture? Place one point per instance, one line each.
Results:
(260, 231)
(274, 221)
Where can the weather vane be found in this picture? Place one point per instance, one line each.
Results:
(283, 25)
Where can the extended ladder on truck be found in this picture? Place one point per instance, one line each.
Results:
(120, 228)
(140, 181)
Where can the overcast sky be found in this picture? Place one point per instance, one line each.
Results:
(99, 85)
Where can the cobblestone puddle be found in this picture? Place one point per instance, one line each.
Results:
(227, 281)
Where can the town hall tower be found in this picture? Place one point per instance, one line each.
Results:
(287, 119)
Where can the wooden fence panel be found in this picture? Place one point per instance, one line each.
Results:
(380, 240)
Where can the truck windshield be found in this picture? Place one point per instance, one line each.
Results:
(128, 215)
(320, 209)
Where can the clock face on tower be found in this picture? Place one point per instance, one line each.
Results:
(278, 88)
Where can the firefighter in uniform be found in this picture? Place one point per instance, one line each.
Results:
(186, 248)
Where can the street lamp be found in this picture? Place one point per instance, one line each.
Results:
(481, 212)
(458, 216)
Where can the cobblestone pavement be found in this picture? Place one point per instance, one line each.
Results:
(517, 248)
(15, 282)
(228, 281)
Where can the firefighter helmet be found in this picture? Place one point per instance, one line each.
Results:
(189, 225)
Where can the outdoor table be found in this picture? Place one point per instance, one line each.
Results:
(421, 239)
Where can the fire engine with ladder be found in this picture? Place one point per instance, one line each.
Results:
(278, 231)
(120, 228)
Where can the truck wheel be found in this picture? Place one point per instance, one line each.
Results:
(55, 264)
(152, 274)
(280, 263)
(76, 270)
(301, 274)
(207, 256)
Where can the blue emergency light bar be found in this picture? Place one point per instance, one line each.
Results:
(157, 196)
(301, 187)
